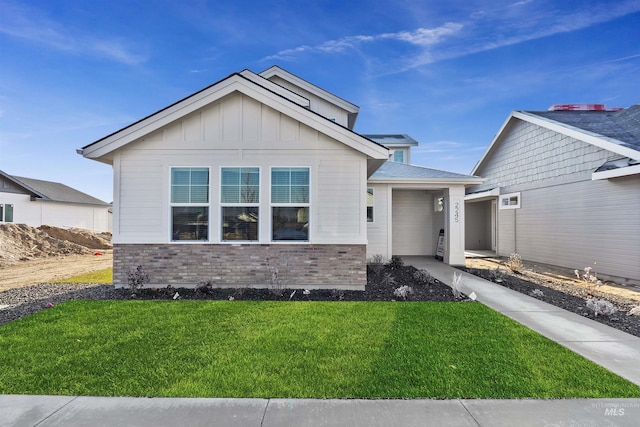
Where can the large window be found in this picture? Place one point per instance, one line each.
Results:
(6, 213)
(240, 198)
(290, 203)
(190, 204)
(370, 204)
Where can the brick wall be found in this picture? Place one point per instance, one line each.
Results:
(297, 266)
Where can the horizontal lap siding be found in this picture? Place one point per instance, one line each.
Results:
(377, 231)
(581, 224)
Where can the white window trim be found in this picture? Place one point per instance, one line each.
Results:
(240, 205)
(508, 197)
(372, 205)
(293, 205)
(172, 205)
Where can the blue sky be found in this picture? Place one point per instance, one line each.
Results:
(447, 73)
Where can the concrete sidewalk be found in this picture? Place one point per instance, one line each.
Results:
(615, 350)
(41, 411)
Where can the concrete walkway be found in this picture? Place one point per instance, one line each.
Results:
(615, 350)
(65, 411)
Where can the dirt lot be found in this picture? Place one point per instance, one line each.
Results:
(30, 255)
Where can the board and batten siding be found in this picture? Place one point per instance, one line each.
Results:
(238, 131)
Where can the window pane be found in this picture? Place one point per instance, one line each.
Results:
(199, 194)
(299, 194)
(199, 176)
(279, 176)
(252, 176)
(1, 213)
(240, 223)
(250, 194)
(290, 223)
(180, 176)
(369, 196)
(398, 156)
(8, 213)
(179, 194)
(280, 194)
(369, 213)
(230, 176)
(300, 176)
(190, 223)
(230, 194)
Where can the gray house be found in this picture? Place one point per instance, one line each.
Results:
(36, 202)
(562, 188)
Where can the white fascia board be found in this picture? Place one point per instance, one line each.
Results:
(336, 100)
(495, 192)
(615, 173)
(601, 141)
(427, 183)
(292, 96)
(221, 89)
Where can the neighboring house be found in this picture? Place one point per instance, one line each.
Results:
(562, 188)
(35, 202)
(260, 180)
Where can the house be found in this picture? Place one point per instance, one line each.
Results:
(35, 202)
(562, 188)
(260, 180)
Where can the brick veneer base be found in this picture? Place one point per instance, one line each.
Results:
(294, 266)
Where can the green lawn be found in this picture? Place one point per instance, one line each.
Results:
(100, 276)
(291, 349)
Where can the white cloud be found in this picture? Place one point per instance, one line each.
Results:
(422, 37)
(32, 25)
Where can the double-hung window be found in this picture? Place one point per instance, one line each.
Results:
(189, 204)
(290, 203)
(370, 204)
(239, 199)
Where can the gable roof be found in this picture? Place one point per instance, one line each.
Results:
(615, 131)
(251, 86)
(48, 191)
(394, 172)
(352, 109)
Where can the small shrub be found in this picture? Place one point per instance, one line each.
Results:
(338, 294)
(536, 293)
(422, 276)
(635, 311)
(136, 278)
(588, 277)
(403, 291)
(388, 280)
(498, 275)
(204, 287)
(456, 285)
(601, 307)
(396, 262)
(376, 263)
(515, 263)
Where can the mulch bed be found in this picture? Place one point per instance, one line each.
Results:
(566, 299)
(382, 282)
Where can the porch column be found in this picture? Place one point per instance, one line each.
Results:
(454, 226)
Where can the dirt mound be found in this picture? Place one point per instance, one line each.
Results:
(80, 237)
(20, 242)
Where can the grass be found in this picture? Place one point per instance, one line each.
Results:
(291, 349)
(100, 276)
